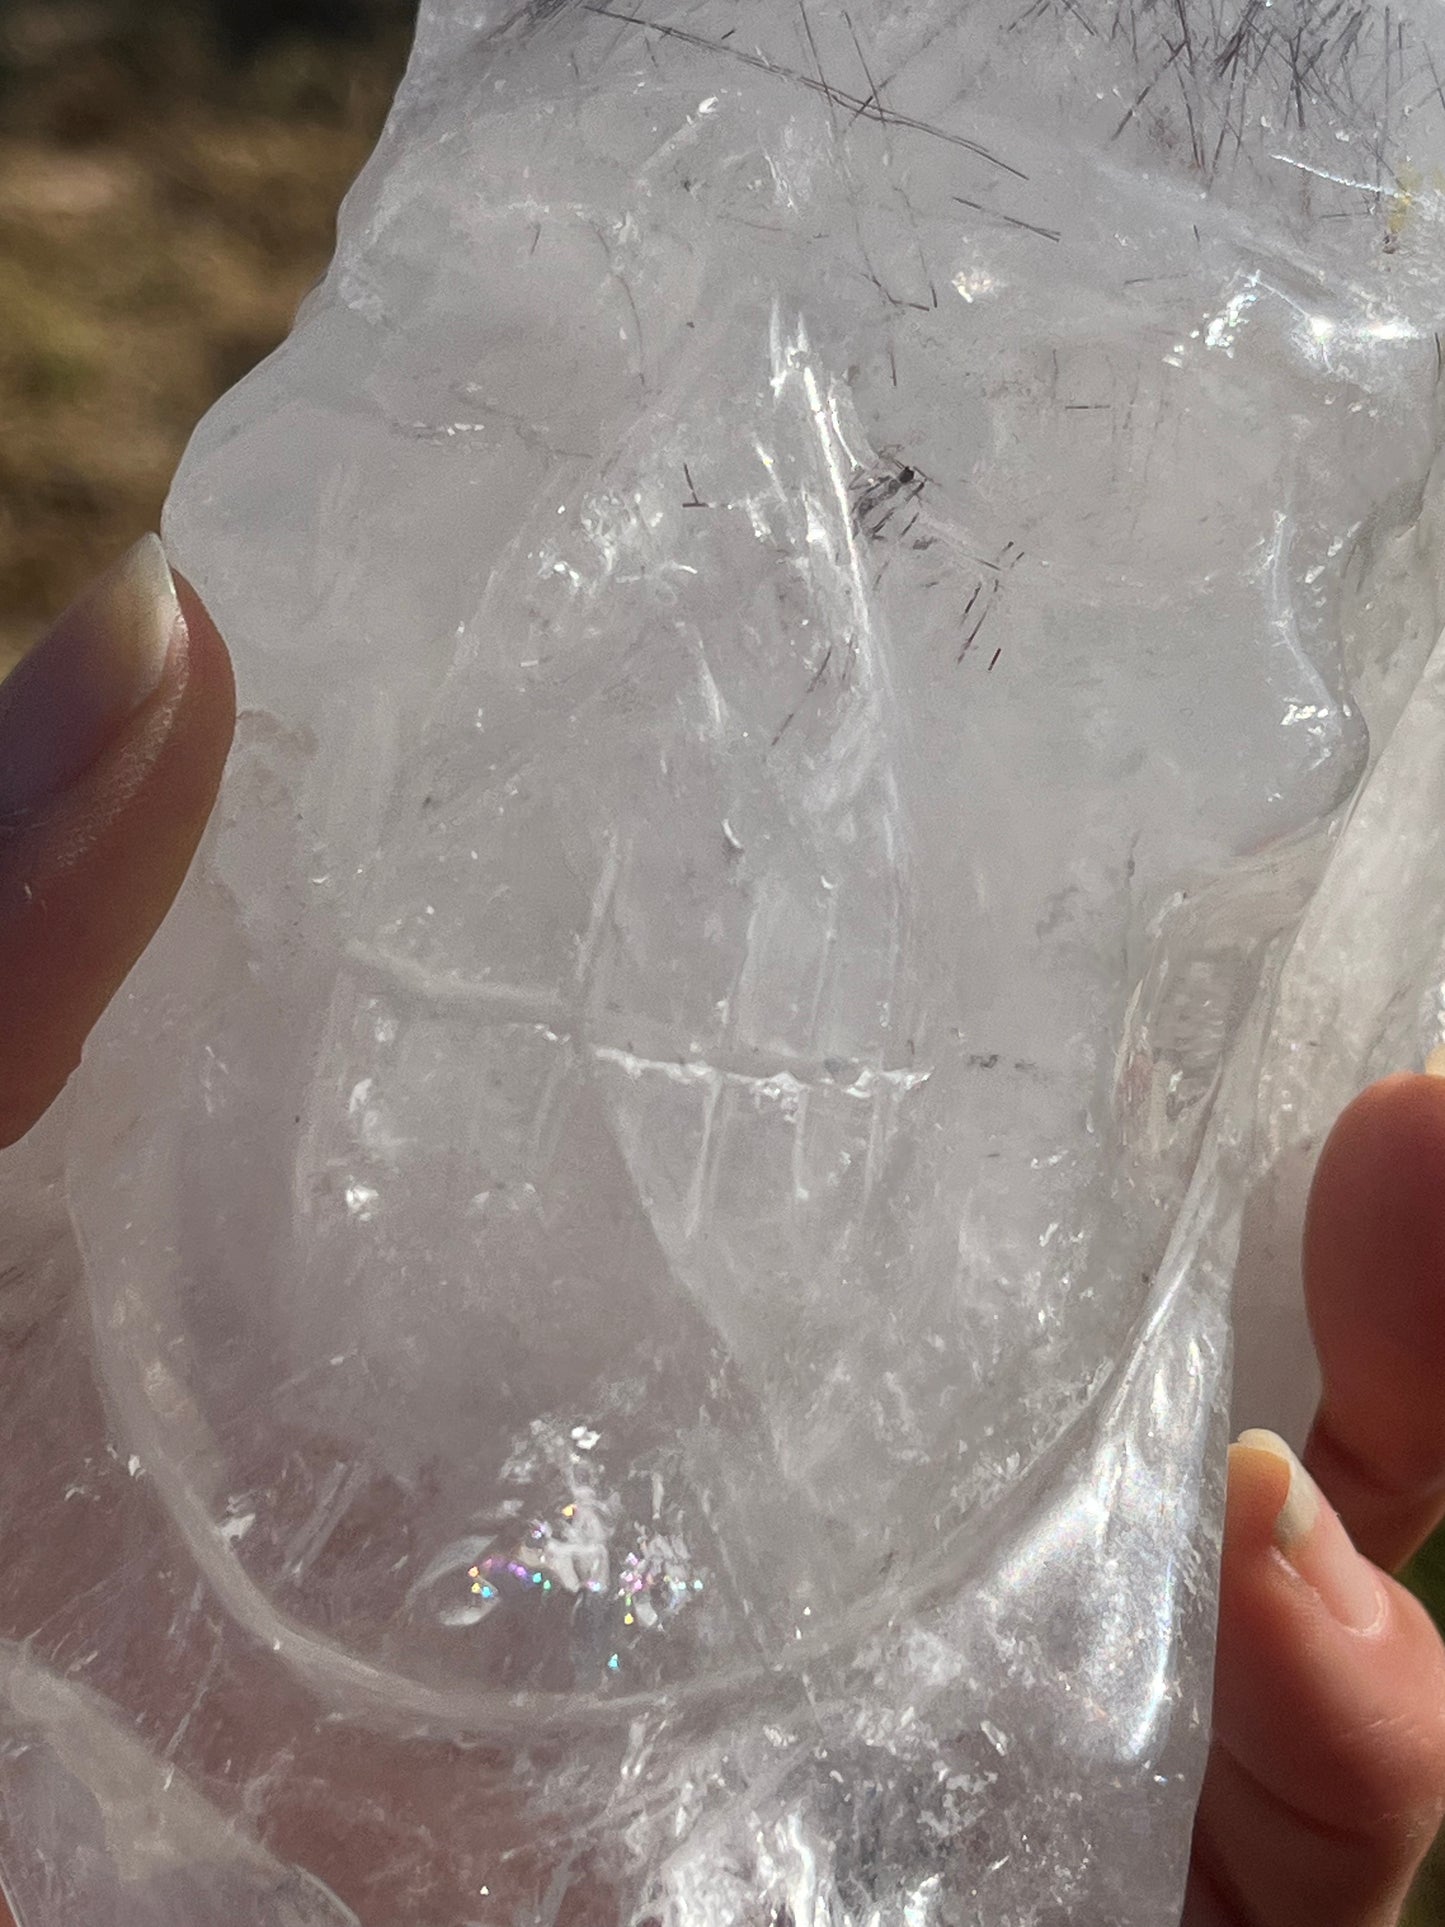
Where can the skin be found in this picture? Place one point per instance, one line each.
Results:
(86, 880)
(1326, 1779)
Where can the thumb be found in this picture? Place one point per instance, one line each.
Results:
(113, 735)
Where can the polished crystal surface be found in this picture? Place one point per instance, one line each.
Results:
(811, 593)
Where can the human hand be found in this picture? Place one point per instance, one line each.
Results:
(1327, 1777)
(1326, 1780)
(113, 735)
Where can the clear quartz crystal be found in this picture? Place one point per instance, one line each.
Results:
(811, 593)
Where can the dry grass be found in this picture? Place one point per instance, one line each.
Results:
(162, 211)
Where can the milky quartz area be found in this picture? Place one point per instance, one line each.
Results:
(811, 594)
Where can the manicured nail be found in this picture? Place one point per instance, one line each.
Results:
(102, 660)
(1435, 1062)
(1308, 1532)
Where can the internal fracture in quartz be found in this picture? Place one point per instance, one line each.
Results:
(809, 593)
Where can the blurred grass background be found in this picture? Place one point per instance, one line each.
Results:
(169, 177)
(1426, 1575)
(170, 172)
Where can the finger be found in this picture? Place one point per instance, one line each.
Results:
(1374, 1266)
(1326, 1780)
(113, 735)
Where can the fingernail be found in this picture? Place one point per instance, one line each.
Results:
(1435, 1062)
(86, 677)
(1308, 1532)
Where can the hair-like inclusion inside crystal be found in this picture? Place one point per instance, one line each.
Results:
(808, 592)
